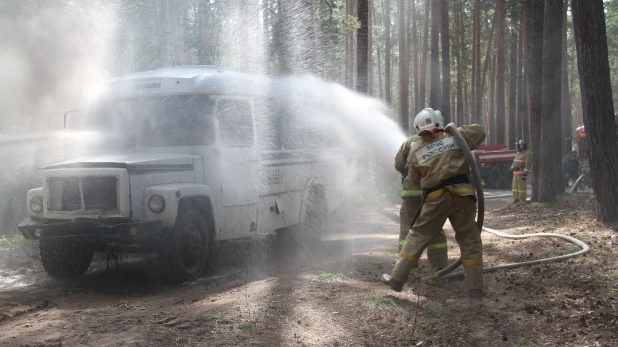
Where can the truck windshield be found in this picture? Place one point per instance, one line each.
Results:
(155, 121)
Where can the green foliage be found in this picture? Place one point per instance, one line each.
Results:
(276, 310)
(219, 318)
(529, 343)
(331, 277)
(351, 23)
(378, 302)
(17, 241)
(389, 254)
(433, 314)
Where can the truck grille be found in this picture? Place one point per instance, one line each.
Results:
(83, 193)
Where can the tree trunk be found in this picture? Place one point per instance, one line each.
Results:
(525, 109)
(347, 62)
(478, 94)
(266, 30)
(387, 50)
(520, 84)
(446, 63)
(379, 59)
(434, 70)
(476, 63)
(487, 55)
(423, 84)
(501, 66)
(403, 76)
(362, 38)
(474, 116)
(550, 173)
(413, 50)
(567, 129)
(459, 39)
(492, 101)
(513, 80)
(595, 84)
(535, 10)
(380, 88)
(370, 91)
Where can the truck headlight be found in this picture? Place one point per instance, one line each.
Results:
(156, 203)
(36, 204)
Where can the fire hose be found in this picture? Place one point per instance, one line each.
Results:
(476, 182)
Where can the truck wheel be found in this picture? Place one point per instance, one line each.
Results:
(494, 179)
(507, 177)
(316, 215)
(190, 246)
(64, 258)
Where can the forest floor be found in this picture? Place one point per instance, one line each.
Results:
(265, 295)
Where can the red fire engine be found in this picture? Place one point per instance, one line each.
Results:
(583, 147)
(494, 162)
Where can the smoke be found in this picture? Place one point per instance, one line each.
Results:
(51, 56)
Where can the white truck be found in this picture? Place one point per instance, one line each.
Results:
(186, 157)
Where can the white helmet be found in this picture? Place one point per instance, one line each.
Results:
(428, 119)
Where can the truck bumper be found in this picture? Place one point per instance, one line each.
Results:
(92, 230)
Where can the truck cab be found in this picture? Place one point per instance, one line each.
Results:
(174, 161)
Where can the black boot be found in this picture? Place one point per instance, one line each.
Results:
(476, 294)
(394, 284)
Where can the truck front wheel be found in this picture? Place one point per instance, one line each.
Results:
(190, 246)
(494, 179)
(65, 258)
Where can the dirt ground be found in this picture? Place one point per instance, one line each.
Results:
(267, 295)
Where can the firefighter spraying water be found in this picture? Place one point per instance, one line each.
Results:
(412, 198)
(437, 164)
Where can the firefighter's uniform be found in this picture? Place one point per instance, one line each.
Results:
(412, 196)
(521, 167)
(434, 163)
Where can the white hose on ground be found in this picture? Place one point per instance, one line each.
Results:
(498, 196)
(442, 274)
(584, 249)
(576, 183)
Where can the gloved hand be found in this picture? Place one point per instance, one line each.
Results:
(524, 176)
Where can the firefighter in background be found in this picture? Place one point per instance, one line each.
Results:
(520, 168)
(412, 196)
(440, 167)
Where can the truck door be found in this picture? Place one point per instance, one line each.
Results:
(239, 154)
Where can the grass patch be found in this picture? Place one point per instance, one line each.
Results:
(582, 238)
(244, 327)
(378, 302)
(434, 314)
(390, 254)
(527, 343)
(219, 318)
(276, 310)
(15, 242)
(331, 277)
